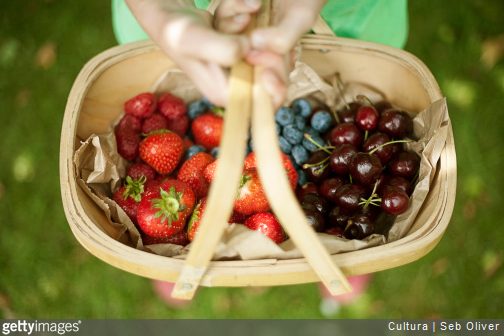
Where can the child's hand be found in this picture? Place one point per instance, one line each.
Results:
(186, 34)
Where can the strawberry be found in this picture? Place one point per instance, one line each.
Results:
(210, 170)
(179, 238)
(237, 218)
(137, 170)
(129, 196)
(195, 220)
(192, 173)
(128, 142)
(179, 125)
(155, 122)
(292, 175)
(163, 212)
(141, 106)
(251, 197)
(162, 150)
(207, 129)
(129, 122)
(267, 224)
(171, 106)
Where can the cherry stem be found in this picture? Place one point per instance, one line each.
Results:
(308, 136)
(387, 143)
(308, 165)
(371, 197)
(319, 171)
(366, 133)
(363, 97)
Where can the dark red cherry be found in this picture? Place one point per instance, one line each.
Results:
(376, 140)
(396, 181)
(365, 168)
(307, 188)
(404, 164)
(329, 186)
(338, 216)
(340, 158)
(359, 226)
(395, 123)
(317, 200)
(317, 167)
(346, 133)
(394, 200)
(314, 217)
(367, 118)
(349, 195)
(348, 115)
(382, 106)
(335, 231)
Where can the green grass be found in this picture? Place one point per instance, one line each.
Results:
(45, 273)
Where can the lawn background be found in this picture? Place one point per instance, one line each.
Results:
(45, 273)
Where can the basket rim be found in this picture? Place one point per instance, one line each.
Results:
(224, 273)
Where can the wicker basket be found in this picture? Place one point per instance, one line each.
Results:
(112, 77)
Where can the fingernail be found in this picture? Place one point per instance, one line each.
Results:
(258, 41)
(241, 18)
(253, 3)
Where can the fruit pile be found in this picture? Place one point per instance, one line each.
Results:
(344, 173)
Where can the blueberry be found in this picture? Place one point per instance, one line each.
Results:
(278, 128)
(310, 146)
(195, 109)
(311, 131)
(300, 122)
(285, 145)
(284, 116)
(207, 103)
(250, 145)
(302, 178)
(214, 151)
(292, 134)
(300, 155)
(321, 121)
(193, 150)
(302, 107)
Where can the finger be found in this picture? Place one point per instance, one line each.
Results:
(279, 64)
(274, 87)
(234, 16)
(196, 40)
(234, 24)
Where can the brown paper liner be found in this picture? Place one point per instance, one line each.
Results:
(101, 169)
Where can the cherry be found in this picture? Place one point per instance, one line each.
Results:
(336, 231)
(317, 200)
(372, 211)
(395, 123)
(396, 181)
(314, 217)
(382, 106)
(340, 158)
(338, 216)
(367, 118)
(347, 115)
(316, 167)
(365, 168)
(394, 200)
(359, 226)
(404, 164)
(346, 133)
(307, 188)
(329, 186)
(349, 195)
(384, 153)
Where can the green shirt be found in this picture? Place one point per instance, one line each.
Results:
(380, 21)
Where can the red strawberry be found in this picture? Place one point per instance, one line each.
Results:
(207, 129)
(251, 197)
(267, 224)
(162, 150)
(237, 218)
(210, 170)
(128, 143)
(192, 173)
(137, 170)
(129, 196)
(179, 125)
(141, 106)
(155, 122)
(179, 238)
(129, 122)
(164, 211)
(170, 106)
(195, 220)
(251, 161)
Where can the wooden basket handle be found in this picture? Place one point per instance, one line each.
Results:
(248, 96)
